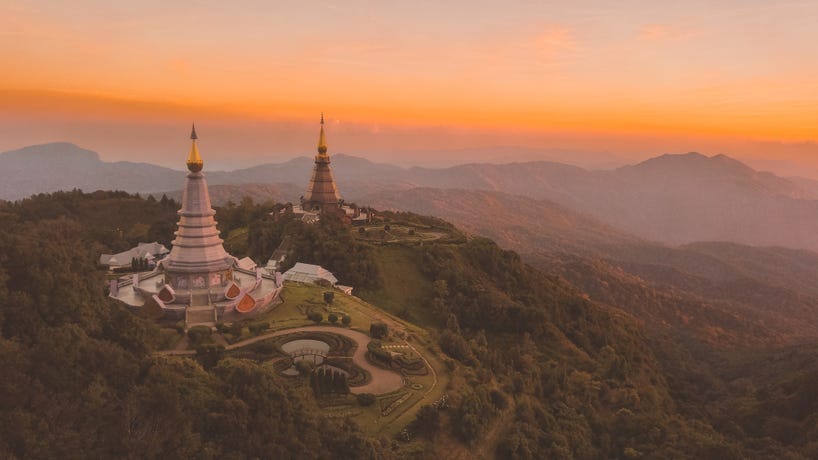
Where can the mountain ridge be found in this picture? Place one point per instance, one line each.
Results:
(673, 198)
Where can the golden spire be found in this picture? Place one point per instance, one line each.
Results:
(322, 141)
(194, 161)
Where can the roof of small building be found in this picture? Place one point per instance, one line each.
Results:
(247, 263)
(306, 273)
(141, 251)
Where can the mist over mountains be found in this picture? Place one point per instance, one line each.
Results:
(674, 199)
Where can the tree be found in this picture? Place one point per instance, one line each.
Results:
(427, 421)
(333, 318)
(342, 386)
(315, 316)
(199, 334)
(378, 330)
(346, 319)
(209, 354)
(329, 296)
(161, 231)
(304, 367)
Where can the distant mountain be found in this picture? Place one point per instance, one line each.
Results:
(807, 186)
(64, 166)
(725, 294)
(515, 222)
(675, 199)
(687, 198)
(220, 195)
(720, 293)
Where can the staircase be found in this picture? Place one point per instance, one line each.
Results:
(200, 312)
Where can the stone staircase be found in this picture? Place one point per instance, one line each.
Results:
(200, 312)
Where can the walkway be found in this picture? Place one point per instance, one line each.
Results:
(383, 381)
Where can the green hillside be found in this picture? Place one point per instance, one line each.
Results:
(535, 369)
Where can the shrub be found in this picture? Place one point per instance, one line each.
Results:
(498, 399)
(346, 319)
(258, 328)
(304, 367)
(209, 354)
(315, 317)
(180, 327)
(222, 328)
(235, 328)
(378, 330)
(427, 421)
(329, 296)
(332, 318)
(265, 347)
(366, 399)
(199, 334)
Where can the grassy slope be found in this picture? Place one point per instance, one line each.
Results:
(300, 297)
(405, 288)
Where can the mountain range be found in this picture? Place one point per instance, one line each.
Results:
(674, 199)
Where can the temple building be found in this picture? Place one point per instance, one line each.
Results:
(322, 193)
(199, 280)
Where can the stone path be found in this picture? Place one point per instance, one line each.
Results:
(383, 381)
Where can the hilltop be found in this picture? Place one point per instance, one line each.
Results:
(537, 369)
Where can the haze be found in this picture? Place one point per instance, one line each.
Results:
(593, 83)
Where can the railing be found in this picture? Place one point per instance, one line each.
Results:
(308, 352)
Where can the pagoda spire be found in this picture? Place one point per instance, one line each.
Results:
(197, 249)
(322, 193)
(194, 160)
(322, 140)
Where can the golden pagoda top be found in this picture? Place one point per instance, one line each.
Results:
(194, 160)
(322, 140)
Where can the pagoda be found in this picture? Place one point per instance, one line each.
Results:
(198, 280)
(197, 261)
(322, 193)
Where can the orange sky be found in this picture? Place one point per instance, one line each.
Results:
(418, 82)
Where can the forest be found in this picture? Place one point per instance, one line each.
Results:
(538, 369)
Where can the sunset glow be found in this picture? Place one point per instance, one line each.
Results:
(629, 78)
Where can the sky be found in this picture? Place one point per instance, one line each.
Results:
(595, 83)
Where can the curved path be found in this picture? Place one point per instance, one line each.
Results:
(383, 381)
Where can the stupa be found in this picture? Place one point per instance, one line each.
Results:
(199, 281)
(322, 193)
(197, 263)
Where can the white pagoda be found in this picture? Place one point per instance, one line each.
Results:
(197, 263)
(199, 280)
